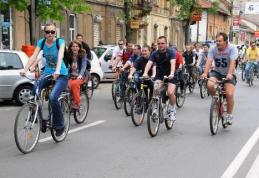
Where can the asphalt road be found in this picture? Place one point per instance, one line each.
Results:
(109, 146)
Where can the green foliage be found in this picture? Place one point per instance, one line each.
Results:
(49, 9)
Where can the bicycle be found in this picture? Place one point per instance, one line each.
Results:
(139, 103)
(243, 66)
(218, 107)
(32, 122)
(118, 89)
(191, 74)
(157, 111)
(252, 74)
(203, 88)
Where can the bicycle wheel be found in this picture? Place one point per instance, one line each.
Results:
(203, 89)
(214, 116)
(190, 84)
(27, 128)
(116, 94)
(137, 109)
(243, 75)
(168, 122)
(66, 115)
(81, 113)
(129, 94)
(180, 96)
(251, 77)
(90, 89)
(153, 120)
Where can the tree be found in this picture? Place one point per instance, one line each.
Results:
(45, 10)
(187, 7)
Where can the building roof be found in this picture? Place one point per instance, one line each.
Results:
(204, 4)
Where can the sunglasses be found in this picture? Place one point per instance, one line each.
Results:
(50, 31)
(120, 44)
(160, 43)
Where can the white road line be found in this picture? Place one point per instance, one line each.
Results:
(75, 130)
(254, 170)
(239, 159)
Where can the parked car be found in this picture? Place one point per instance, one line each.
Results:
(104, 53)
(96, 70)
(12, 85)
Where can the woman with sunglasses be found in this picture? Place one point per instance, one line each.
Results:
(77, 62)
(56, 67)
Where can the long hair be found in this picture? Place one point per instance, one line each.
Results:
(81, 52)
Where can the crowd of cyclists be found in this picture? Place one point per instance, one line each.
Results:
(157, 66)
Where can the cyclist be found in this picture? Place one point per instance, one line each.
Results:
(203, 58)
(84, 45)
(164, 59)
(189, 59)
(139, 67)
(115, 53)
(77, 61)
(54, 66)
(252, 55)
(136, 54)
(224, 55)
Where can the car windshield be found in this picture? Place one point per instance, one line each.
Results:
(99, 51)
(9, 61)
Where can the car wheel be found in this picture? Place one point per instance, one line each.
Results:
(22, 94)
(96, 80)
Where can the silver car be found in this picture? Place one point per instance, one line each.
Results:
(12, 85)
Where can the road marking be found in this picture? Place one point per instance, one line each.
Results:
(239, 159)
(75, 130)
(254, 170)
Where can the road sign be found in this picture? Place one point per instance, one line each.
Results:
(134, 24)
(236, 23)
(257, 34)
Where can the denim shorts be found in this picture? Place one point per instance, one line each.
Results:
(219, 76)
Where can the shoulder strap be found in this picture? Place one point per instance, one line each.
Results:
(42, 44)
(57, 43)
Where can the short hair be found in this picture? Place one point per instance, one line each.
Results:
(79, 34)
(206, 44)
(49, 24)
(162, 37)
(138, 46)
(224, 35)
(147, 46)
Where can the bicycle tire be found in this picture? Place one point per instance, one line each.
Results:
(203, 90)
(137, 120)
(251, 77)
(243, 75)
(80, 115)
(66, 115)
(168, 122)
(153, 117)
(90, 89)
(29, 110)
(214, 116)
(116, 92)
(180, 96)
(129, 94)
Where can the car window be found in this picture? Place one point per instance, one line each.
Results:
(10, 61)
(108, 55)
(99, 51)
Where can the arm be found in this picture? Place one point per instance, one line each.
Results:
(172, 69)
(83, 68)
(147, 68)
(132, 71)
(128, 64)
(59, 62)
(153, 71)
(31, 61)
(117, 60)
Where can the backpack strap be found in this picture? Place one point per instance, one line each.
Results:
(42, 44)
(57, 43)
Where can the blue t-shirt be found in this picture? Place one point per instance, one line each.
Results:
(222, 58)
(133, 58)
(51, 56)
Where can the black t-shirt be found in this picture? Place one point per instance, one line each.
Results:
(140, 65)
(162, 61)
(188, 57)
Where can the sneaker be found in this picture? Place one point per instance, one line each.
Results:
(229, 119)
(172, 113)
(59, 132)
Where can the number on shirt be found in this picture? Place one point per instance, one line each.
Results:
(221, 62)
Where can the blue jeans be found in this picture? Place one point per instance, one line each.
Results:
(59, 86)
(201, 69)
(248, 66)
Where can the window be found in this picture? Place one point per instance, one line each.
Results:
(166, 31)
(72, 26)
(97, 33)
(10, 61)
(118, 33)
